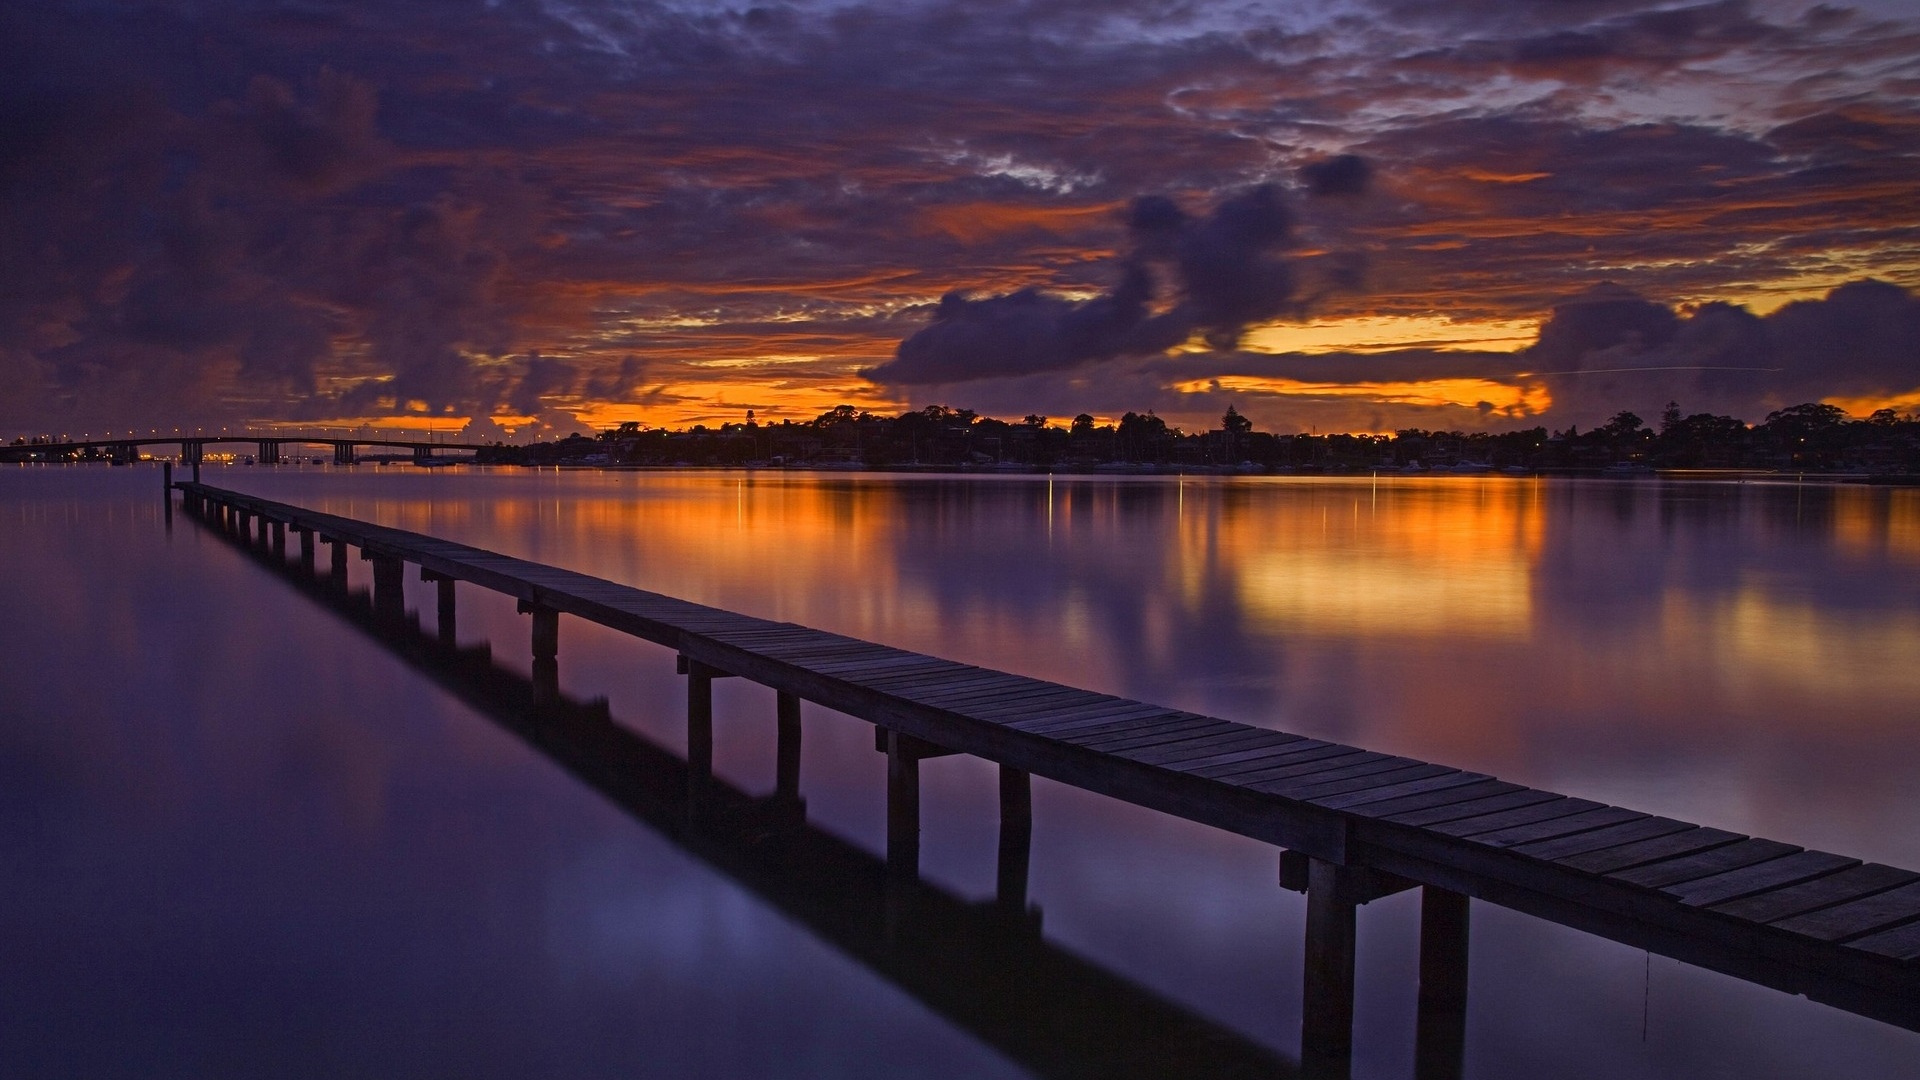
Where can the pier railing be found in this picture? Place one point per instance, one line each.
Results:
(1353, 824)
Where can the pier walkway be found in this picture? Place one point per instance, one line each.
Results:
(1353, 824)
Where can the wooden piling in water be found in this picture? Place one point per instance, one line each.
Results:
(786, 758)
(545, 640)
(444, 614)
(1016, 840)
(903, 807)
(389, 596)
(1440, 1032)
(337, 568)
(1326, 1004)
(699, 732)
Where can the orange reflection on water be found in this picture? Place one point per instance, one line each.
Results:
(1764, 651)
(1866, 524)
(1446, 557)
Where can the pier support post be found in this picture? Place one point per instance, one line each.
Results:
(306, 550)
(903, 807)
(1016, 840)
(444, 617)
(546, 652)
(1326, 1002)
(389, 596)
(699, 733)
(261, 533)
(1440, 1038)
(338, 578)
(903, 832)
(280, 540)
(166, 489)
(786, 761)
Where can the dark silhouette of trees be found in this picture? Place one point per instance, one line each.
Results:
(1144, 438)
(1807, 437)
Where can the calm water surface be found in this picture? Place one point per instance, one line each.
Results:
(240, 838)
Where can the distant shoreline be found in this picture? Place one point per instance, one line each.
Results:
(1819, 476)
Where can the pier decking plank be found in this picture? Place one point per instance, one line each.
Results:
(1836, 887)
(1858, 917)
(1070, 719)
(1553, 828)
(1180, 730)
(1090, 711)
(1312, 760)
(1713, 861)
(1440, 782)
(1506, 819)
(1287, 756)
(1647, 852)
(1900, 943)
(1646, 828)
(1372, 781)
(1759, 878)
(1205, 749)
(1256, 749)
(1431, 801)
(1292, 786)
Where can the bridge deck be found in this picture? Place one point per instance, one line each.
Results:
(1832, 927)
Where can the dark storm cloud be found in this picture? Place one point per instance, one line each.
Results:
(1227, 271)
(1606, 317)
(1342, 174)
(1609, 349)
(543, 376)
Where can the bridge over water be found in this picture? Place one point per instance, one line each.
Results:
(267, 449)
(1351, 824)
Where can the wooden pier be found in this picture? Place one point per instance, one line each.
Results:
(1353, 825)
(984, 967)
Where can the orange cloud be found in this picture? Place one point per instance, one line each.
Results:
(976, 222)
(1524, 398)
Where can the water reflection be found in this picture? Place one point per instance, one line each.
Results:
(1584, 636)
(1716, 652)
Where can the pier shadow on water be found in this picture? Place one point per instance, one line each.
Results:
(984, 967)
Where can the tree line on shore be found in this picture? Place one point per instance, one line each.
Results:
(1812, 437)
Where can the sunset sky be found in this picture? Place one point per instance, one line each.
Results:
(537, 216)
